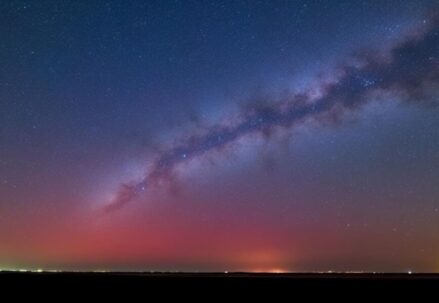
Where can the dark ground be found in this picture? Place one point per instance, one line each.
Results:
(273, 286)
(150, 276)
(258, 278)
(220, 275)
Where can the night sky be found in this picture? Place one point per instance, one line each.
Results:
(219, 135)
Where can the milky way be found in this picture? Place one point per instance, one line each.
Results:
(219, 135)
(410, 70)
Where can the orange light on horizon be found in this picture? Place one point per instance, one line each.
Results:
(265, 262)
(269, 270)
